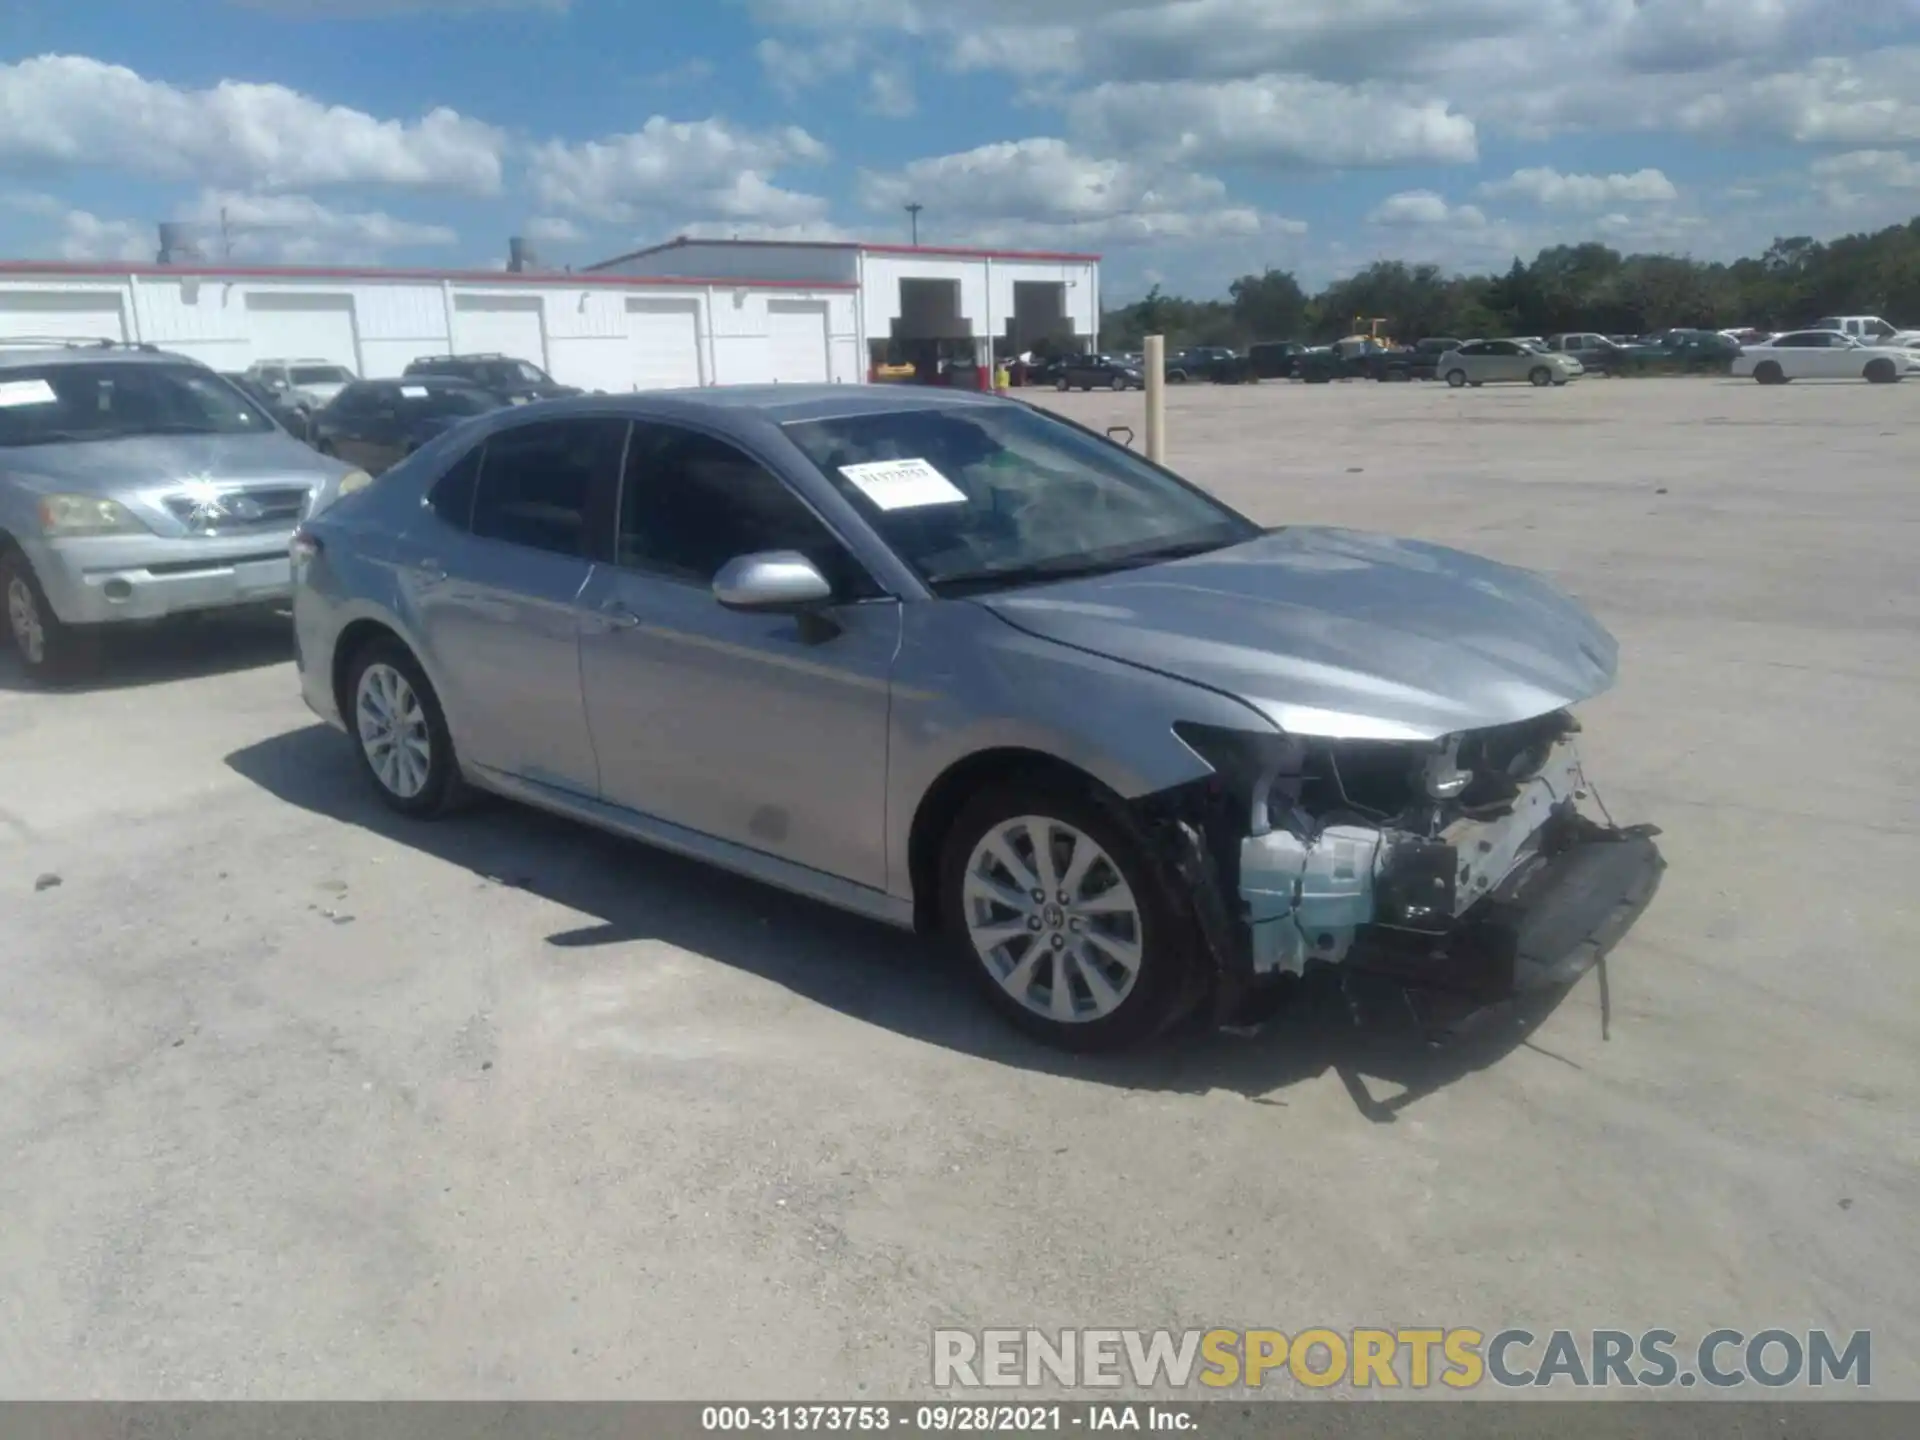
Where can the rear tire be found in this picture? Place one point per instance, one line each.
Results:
(1120, 943)
(1062, 386)
(48, 648)
(1456, 378)
(1768, 372)
(400, 731)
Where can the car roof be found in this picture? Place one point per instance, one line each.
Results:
(721, 405)
(18, 355)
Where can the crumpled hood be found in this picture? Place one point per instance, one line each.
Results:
(113, 467)
(1339, 634)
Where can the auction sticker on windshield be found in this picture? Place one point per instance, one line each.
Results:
(903, 484)
(414, 392)
(25, 392)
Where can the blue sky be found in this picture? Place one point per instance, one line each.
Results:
(1186, 140)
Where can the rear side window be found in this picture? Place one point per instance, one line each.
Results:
(536, 482)
(452, 495)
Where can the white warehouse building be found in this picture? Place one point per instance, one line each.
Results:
(686, 314)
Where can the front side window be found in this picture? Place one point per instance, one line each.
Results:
(57, 404)
(984, 497)
(535, 482)
(689, 503)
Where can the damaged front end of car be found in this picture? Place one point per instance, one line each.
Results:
(1464, 865)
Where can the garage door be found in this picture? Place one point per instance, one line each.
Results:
(500, 325)
(666, 343)
(797, 340)
(303, 327)
(61, 315)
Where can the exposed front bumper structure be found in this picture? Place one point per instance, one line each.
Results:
(1522, 901)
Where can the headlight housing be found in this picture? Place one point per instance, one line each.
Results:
(68, 515)
(354, 480)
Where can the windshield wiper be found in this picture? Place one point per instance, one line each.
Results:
(1069, 567)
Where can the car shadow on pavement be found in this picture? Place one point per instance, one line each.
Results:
(126, 657)
(1366, 1031)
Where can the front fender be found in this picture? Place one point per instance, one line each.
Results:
(966, 682)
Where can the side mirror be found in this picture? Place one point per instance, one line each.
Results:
(775, 581)
(1121, 435)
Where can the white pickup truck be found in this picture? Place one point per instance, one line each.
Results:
(1868, 329)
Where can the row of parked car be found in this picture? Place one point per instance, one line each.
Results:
(1849, 347)
(137, 484)
(374, 423)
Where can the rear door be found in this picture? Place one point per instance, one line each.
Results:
(508, 542)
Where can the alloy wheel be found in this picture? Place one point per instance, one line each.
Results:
(23, 619)
(392, 726)
(1053, 919)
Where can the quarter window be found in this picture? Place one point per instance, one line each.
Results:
(689, 503)
(535, 482)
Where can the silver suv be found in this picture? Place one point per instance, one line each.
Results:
(135, 485)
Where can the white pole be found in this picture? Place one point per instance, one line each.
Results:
(1156, 381)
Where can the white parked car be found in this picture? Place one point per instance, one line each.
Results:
(1479, 361)
(311, 383)
(1824, 355)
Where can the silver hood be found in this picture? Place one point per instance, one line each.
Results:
(139, 462)
(1339, 634)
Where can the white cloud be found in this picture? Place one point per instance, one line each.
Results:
(1875, 181)
(1044, 193)
(1278, 120)
(890, 93)
(698, 170)
(553, 230)
(792, 69)
(1425, 209)
(67, 112)
(297, 229)
(1546, 186)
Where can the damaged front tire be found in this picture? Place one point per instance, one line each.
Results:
(1054, 904)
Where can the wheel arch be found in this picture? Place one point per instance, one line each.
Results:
(943, 800)
(354, 637)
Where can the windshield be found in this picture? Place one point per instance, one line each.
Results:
(320, 375)
(516, 372)
(982, 498)
(105, 401)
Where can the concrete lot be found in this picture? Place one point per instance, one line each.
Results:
(297, 1100)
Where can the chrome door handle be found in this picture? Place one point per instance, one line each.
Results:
(617, 616)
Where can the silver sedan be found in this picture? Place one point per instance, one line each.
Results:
(962, 666)
(1479, 361)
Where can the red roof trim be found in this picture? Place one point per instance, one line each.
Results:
(93, 269)
(949, 251)
(1048, 256)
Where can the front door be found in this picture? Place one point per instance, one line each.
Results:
(767, 731)
(501, 557)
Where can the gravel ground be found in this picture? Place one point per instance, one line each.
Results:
(301, 1101)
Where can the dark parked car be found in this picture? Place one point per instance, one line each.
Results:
(1598, 354)
(1204, 362)
(516, 382)
(1275, 359)
(376, 424)
(1098, 372)
(1680, 350)
(286, 408)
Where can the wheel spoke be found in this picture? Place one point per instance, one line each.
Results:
(1105, 997)
(1040, 838)
(1080, 861)
(987, 887)
(1124, 952)
(999, 933)
(997, 847)
(1060, 1002)
(1117, 901)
